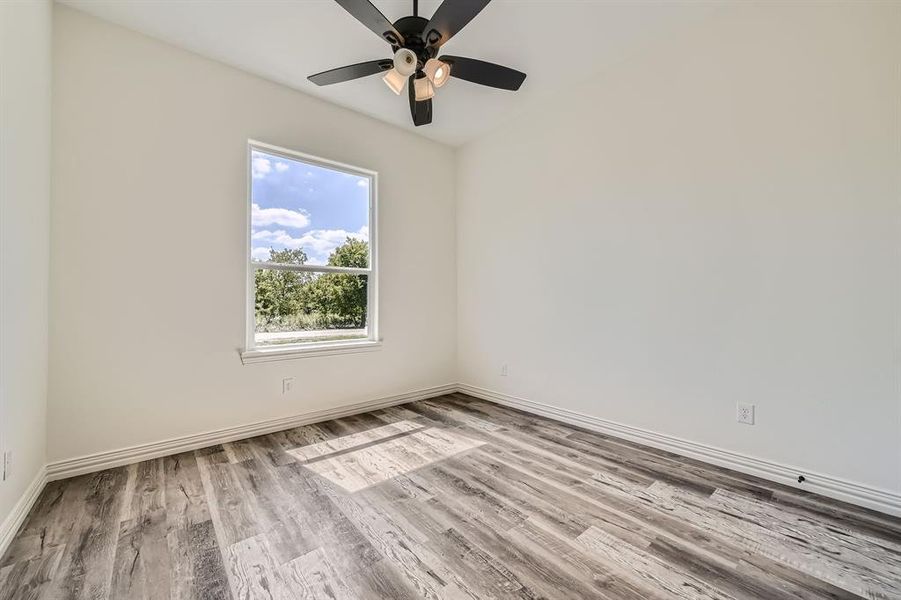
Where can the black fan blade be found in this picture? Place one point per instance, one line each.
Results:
(367, 14)
(349, 72)
(484, 73)
(421, 111)
(449, 19)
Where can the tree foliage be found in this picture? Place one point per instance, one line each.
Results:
(278, 292)
(288, 300)
(339, 293)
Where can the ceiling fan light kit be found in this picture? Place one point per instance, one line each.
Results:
(424, 89)
(437, 71)
(405, 62)
(395, 80)
(415, 42)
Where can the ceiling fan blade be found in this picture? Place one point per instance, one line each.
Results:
(484, 73)
(349, 72)
(367, 14)
(420, 111)
(449, 19)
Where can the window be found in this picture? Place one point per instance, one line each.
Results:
(312, 275)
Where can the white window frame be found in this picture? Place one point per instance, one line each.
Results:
(253, 353)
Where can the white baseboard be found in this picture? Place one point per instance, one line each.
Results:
(833, 487)
(11, 524)
(855, 493)
(124, 456)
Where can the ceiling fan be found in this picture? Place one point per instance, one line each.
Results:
(415, 42)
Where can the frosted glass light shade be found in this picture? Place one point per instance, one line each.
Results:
(405, 62)
(437, 71)
(423, 88)
(395, 81)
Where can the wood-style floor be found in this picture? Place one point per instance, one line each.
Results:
(446, 498)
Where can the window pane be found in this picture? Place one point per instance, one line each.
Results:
(302, 213)
(296, 308)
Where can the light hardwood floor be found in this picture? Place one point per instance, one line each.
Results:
(444, 498)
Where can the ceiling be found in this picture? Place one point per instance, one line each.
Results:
(556, 42)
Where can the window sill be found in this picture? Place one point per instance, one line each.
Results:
(259, 355)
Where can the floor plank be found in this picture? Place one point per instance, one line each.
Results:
(446, 498)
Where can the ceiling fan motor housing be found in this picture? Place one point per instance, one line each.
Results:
(412, 28)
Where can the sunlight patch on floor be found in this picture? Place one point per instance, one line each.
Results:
(377, 462)
(354, 440)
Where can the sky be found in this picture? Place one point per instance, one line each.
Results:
(299, 205)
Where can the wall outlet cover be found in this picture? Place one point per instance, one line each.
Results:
(744, 413)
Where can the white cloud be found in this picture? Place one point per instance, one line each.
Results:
(261, 217)
(281, 167)
(274, 237)
(260, 253)
(363, 183)
(317, 243)
(260, 167)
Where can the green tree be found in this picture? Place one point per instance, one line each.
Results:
(291, 301)
(352, 253)
(338, 296)
(280, 293)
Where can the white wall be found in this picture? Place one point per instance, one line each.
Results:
(25, 40)
(717, 220)
(148, 273)
(711, 222)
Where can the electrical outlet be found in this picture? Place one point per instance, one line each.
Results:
(503, 370)
(744, 413)
(7, 464)
(287, 385)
